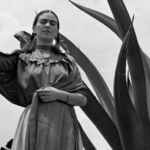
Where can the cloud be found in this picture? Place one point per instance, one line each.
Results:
(9, 25)
(8, 21)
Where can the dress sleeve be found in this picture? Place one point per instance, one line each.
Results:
(8, 63)
(82, 91)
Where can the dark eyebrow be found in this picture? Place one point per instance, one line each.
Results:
(47, 20)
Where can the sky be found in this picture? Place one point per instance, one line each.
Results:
(95, 40)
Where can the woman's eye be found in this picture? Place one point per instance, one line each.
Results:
(53, 23)
(43, 22)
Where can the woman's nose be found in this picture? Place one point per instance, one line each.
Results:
(48, 24)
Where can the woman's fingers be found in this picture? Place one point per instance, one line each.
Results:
(45, 97)
(48, 94)
(44, 93)
(47, 100)
(42, 90)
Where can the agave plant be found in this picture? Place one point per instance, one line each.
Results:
(132, 120)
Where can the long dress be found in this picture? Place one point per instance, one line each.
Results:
(52, 125)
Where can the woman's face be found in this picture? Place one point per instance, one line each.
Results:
(46, 28)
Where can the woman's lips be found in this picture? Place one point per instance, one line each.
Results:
(46, 31)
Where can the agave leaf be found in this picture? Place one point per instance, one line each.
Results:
(139, 80)
(86, 141)
(121, 16)
(102, 121)
(136, 63)
(94, 76)
(146, 63)
(109, 22)
(131, 130)
(130, 88)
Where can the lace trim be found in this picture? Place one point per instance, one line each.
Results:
(36, 57)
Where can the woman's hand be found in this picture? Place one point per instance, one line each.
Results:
(49, 94)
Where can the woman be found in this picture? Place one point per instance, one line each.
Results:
(47, 81)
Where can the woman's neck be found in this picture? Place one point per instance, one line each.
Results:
(44, 48)
(44, 42)
(44, 45)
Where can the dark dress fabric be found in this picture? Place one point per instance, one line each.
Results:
(42, 126)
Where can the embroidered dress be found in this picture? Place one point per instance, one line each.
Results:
(43, 126)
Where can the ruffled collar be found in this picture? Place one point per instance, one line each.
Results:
(36, 56)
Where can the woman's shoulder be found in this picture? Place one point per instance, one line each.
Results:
(15, 52)
(69, 57)
(26, 56)
(13, 55)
